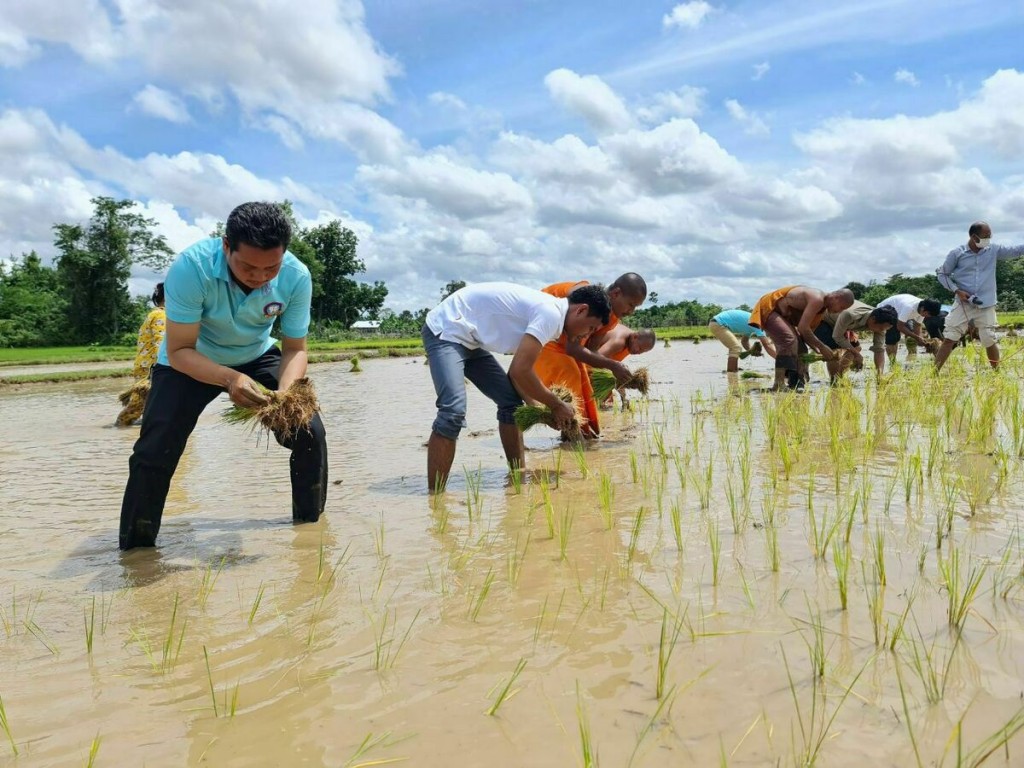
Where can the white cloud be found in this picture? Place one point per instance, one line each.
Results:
(674, 157)
(760, 70)
(752, 123)
(689, 15)
(156, 102)
(687, 101)
(84, 26)
(590, 98)
(442, 99)
(857, 79)
(448, 186)
(319, 71)
(906, 77)
(48, 173)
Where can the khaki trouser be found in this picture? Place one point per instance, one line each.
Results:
(727, 337)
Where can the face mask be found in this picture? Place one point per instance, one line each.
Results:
(984, 242)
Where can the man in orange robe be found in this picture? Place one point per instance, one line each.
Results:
(564, 362)
(789, 316)
(622, 342)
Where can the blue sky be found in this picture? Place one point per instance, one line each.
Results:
(719, 148)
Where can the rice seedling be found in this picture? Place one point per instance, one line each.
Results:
(815, 724)
(703, 482)
(354, 366)
(255, 603)
(506, 691)
(133, 401)
(634, 468)
(579, 453)
(516, 476)
(932, 671)
(481, 596)
(474, 484)
(606, 496)
(715, 548)
(961, 586)
(989, 746)
(841, 559)
(209, 679)
(587, 749)
(664, 706)
(529, 416)
(6, 725)
(90, 625)
(285, 413)
(906, 715)
(549, 509)
(516, 560)
(634, 535)
(171, 650)
(385, 648)
(772, 551)
(378, 538)
(94, 750)
(369, 743)
(822, 532)
(675, 516)
(878, 552)
(209, 582)
(666, 645)
(540, 620)
(37, 632)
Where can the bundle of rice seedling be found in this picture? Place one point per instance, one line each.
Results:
(811, 357)
(603, 382)
(751, 375)
(640, 381)
(528, 416)
(286, 412)
(756, 350)
(355, 365)
(139, 389)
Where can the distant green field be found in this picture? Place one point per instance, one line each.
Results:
(319, 350)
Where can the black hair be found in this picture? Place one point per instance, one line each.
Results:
(931, 306)
(884, 315)
(977, 228)
(596, 298)
(261, 225)
(158, 294)
(630, 284)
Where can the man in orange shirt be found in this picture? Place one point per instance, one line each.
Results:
(564, 362)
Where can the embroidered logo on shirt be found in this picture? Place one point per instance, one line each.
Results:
(273, 309)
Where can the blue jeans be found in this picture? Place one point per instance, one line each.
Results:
(451, 364)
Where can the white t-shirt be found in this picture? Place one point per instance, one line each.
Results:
(495, 316)
(905, 305)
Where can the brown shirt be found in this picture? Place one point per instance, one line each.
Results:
(853, 319)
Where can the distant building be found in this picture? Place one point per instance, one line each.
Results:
(368, 327)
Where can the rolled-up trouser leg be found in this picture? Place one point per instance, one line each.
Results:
(308, 462)
(172, 409)
(447, 370)
(785, 339)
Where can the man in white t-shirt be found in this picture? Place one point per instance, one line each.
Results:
(911, 312)
(459, 336)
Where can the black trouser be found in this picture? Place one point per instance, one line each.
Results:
(172, 409)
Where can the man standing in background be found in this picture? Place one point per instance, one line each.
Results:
(969, 271)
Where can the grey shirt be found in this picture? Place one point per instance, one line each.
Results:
(853, 319)
(965, 270)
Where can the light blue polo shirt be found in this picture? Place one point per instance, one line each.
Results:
(234, 327)
(737, 321)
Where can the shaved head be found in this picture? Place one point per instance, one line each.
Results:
(630, 284)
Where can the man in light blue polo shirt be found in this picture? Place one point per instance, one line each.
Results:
(222, 298)
(732, 328)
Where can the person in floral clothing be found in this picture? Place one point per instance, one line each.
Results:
(151, 334)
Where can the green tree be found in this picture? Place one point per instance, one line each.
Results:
(340, 298)
(32, 304)
(451, 287)
(94, 262)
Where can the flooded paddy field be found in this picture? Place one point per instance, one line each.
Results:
(726, 578)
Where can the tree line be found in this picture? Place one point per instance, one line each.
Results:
(84, 298)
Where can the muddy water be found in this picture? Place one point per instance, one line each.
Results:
(386, 631)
